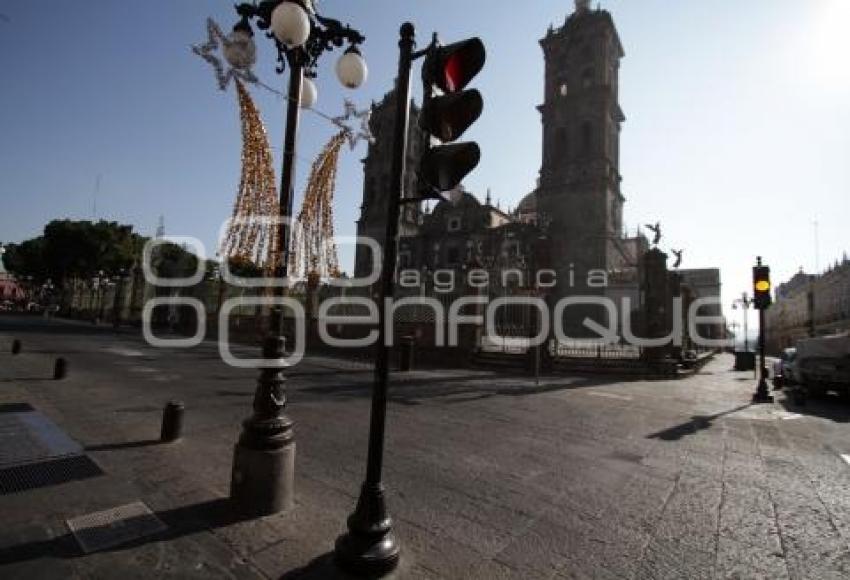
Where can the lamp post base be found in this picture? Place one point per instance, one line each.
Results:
(762, 394)
(263, 477)
(370, 547)
(263, 480)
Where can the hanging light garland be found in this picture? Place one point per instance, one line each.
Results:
(314, 253)
(251, 235)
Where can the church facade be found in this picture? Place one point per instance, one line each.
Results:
(571, 224)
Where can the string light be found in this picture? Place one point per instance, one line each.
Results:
(251, 235)
(314, 252)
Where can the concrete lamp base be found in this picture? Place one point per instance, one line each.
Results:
(263, 481)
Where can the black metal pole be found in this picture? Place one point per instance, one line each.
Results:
(762, 392)
(116, 303)
(287, 176)
(263, 477)
(370, 547)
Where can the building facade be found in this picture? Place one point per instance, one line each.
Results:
(809, 305)
(570, 224)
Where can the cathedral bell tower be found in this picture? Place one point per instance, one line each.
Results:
(579, 186)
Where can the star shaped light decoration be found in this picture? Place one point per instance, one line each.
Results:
(238, 49)
(364, 131)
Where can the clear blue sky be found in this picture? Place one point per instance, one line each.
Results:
(737, 134)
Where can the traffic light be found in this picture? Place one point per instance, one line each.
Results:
(448, 111)
(761, 287)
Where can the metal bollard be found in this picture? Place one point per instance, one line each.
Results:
(60, 369)
(16, 346)
(172, 421)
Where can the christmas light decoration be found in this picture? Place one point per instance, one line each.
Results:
(252, 233)
(314, 252)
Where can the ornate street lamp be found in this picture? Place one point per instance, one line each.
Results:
(744, 302)
(264, 458)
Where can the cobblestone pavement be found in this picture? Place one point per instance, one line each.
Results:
(488, 475)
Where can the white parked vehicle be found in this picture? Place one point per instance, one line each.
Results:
(823, 364)
(783, 368)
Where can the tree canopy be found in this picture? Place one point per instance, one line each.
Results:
(82, 249)
(75, 249)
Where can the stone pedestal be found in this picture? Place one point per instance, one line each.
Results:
(263, 481)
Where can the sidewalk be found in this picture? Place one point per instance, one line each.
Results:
(488, 476)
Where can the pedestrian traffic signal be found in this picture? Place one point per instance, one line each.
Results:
(448, 111)
(761, 287)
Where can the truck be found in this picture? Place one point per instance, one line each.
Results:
(823, 364)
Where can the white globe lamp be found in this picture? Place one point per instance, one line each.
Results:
(290, 24)
(351, 69)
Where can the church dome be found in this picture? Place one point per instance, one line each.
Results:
(457, 199)
(528, 204)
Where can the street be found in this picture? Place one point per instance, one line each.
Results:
(488, 475)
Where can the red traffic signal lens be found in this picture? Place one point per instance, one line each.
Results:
(453, 71)
(452, 67)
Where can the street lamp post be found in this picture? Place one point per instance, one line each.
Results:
(47, 296)
(264, 457)
(745, 302)
(117, 306)
(98, 283)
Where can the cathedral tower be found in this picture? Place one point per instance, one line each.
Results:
(579, 187)
(377, 182)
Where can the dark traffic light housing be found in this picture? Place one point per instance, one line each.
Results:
(448, 111)
(761, 286)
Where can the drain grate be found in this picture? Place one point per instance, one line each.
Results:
(45, 473)
(105, 529)
(30, 436)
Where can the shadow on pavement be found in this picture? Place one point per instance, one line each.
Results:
(235, 393)
(827, 406)
(127, 445)
(182, 521)
(321, 568)
(696, 424)
(461, 388)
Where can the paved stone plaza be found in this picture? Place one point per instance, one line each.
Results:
(489, 475)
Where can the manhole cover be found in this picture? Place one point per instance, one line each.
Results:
(34, 475)
(105, 529)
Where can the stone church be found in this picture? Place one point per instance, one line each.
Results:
(572, 223)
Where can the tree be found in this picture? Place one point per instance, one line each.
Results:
(244, 268)
(27, 259)
(76, 248)
(81, 248)
(174, 261)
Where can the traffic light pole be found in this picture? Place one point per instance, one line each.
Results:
(761, 300)
(370, 547)
(762, 395)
